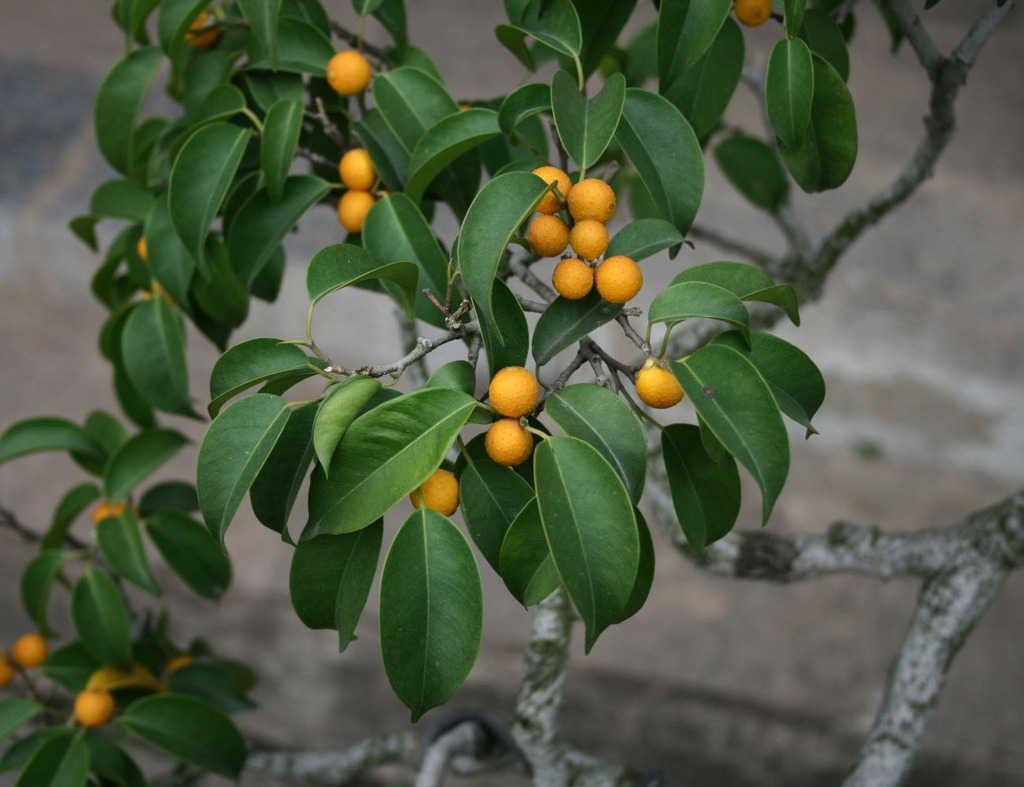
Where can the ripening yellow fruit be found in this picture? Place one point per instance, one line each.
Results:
(349, 72)
(106, 508)
(356, 170)
(618, 279)
(94, 707)
(30, 650)
(176, 663)
(203, 31)
(589, 239)
(752, 12)
(507, 443)
(352, 209)
(440, 492)
(110, 678)
(573, 278)
(592, 198)
(513, 391)
(548, 235)
(7, 672)
(140, 248)
(657, 387)
(552, 201)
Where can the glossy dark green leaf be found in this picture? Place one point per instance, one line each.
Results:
(36, 582)
(824, 37)
(384, 455)
(662, 146)
(705, 493)
(343, 264)
(586, 126)
(459, 375)
(301, 49)
(411, 101)
(565, 322)
(14, 712)
(330, 579)
(269, 87)
(212, 683)
(754, 169)
(736, 404)
(262, 223)
(70, 666)
(169, 722)
(491, 496)
(499, 209)
(118, 102)
(138, 458)
(59, 762)
(101, 619)
(278, 144)
(431, 611)
(554, 23)
(254, 362)
(524, 102)
(46, 434)
(643, 238)
(153, 351)
(590, 529)
(336, 413)
(121, 544)
(794, 16)
(173, 22)
(686, 29)
(169, 261)
(73, 503)
(390, 158)
(688, 300)
(233, 451)
(645, 570)
(121, 199)
(746, 281)
(200, 179)
(526, 564)
(262, 16)
(789, 89)
(601, 22)
(444, 142)
(391, 15)
(21, 751)
(174, 495)
(190, 551)
(276, 487)
(513, 347)
(221, 103)
(514, 40)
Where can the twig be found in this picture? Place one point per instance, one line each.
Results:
(520, 269)
(327, 124)
(423, 347)
(641, 343)
(731, 245)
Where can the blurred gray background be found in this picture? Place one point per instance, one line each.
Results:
(920, 338)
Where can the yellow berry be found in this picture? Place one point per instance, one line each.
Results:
(94, 707)
(752, 12)
(573, 278)
(548, 235)
(440, 492)
(106, 508)
(30, 650)
(592, 198)
(658, 387)
(176, 663)
(552, 201)
(352, 209)
(7, 672)
(140, 248)
(356, 170)
(618, 279)
(349, 73)
(507, 443)
(203, 31)
(589, 238)
(513, 391)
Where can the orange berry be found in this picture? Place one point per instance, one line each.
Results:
(440, 492)
(349, 73)
(203, 31)
(352, 209)
(589, 238)
(30, 650)
(356, 170)
(7, 672)
(618, 279)
(552, 201)
(94, 707)
(752, 12)
(548, 235)
(592, 198)
(507, 443)
(106, 508)
(513, 391)
(657, 387)
(573, 278)
(140, 248)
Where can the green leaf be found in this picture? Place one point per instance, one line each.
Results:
(825, 38)
(280, 140)
(643, 238)
(343, 264)
(46, 434)
(736, 404)
(411, 101)
(703, 91)
(384, 455)
(789, 89)
(826, 157)
(590, 529)
(269, 87)
(685, 32)
(459, 375)
(20, 752)
(446, 141)
(491, 497)
(255, 362)
(600, 418)
(663, 148)
(301, 49)
(526, 564)
(233, 451)
(601, 21)
(60, 762)
(524, 102)
(688, 300)
(175, 495)
(336, 413)
(138, 458)
(390, 158)
(794, 16)
(513, 346)
(514, 40)
(200, 179)
(70, 666)
(366, 7)
(14, 712)
(262, 16)
(121, 544)
(36, 583)
(121, 199)
(153, 352)
(118, 102)
(586, 126)
(169, 261)
(431, 611)
(645, 569)
(276, 488)
(330, 579)
(190, 551)
(794, 379)
(705, 493)
(212, 683)
(754, 169)
(746, 282)
(502, 205)
(221, 103)
(554, 23)
(565, 322)
(173, 22)
(74, 502)
(170, 721)
(101, 619)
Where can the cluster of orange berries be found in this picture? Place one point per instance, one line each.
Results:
(591, 203)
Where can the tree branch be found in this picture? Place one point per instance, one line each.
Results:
(335, 767)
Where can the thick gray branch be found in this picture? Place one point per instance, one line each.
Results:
(335, 768)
